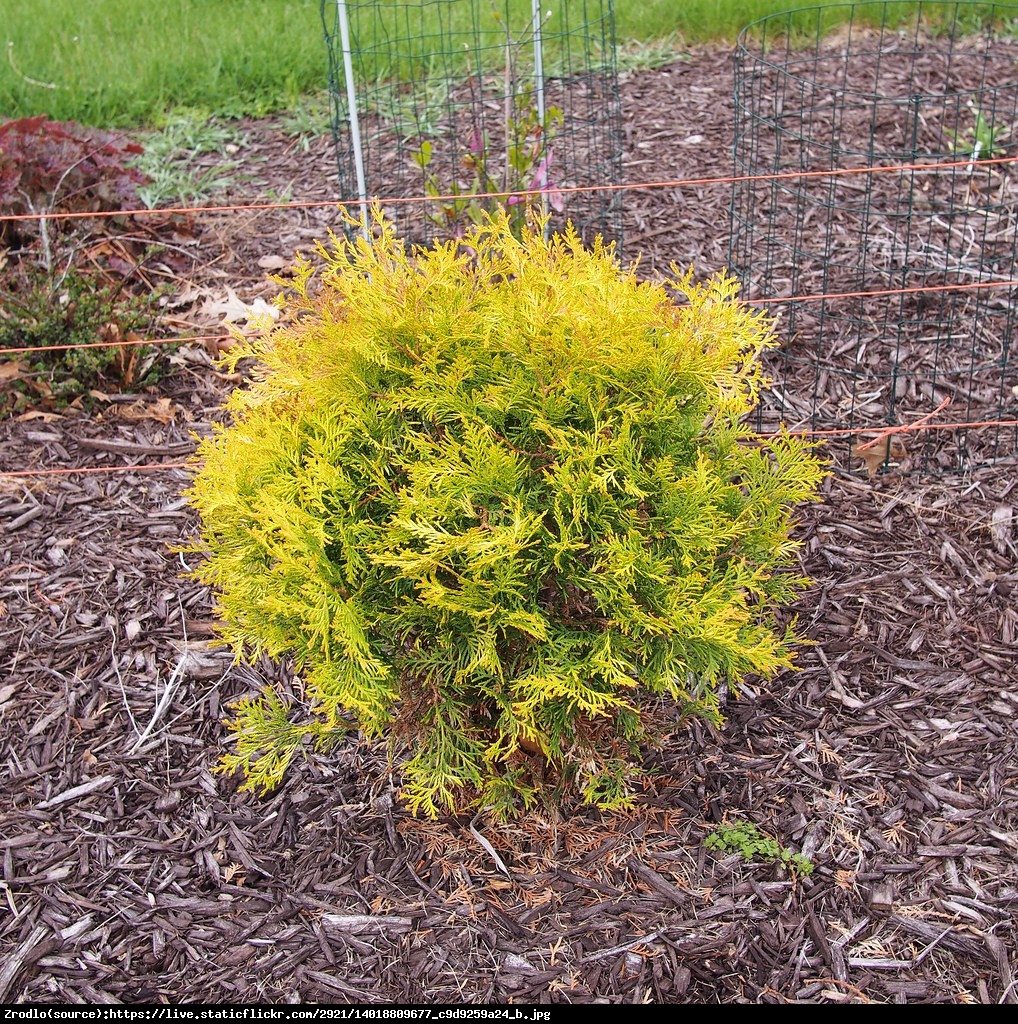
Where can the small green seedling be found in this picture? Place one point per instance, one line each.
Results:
(744, 837)
(986, 140)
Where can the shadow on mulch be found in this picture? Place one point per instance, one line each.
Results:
(131, 874)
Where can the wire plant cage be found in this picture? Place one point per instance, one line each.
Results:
(933, 103)
(460, 98)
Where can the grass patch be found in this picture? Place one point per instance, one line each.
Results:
(649, 54)
(120, 64)
(308, 119)
(168, 159)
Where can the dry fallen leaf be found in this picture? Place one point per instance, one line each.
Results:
(111, 333)
(162, 410)
(225, 310)
(890, 448)
(12, 370)
(231, 309)
(262, 314)
(38, 414)
(235, 873)
(188, 297)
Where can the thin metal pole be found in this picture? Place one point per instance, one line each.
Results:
(539, 93)
(355, 129)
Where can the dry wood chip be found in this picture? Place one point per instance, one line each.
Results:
(588, 883)
(1001, 526)
(35, 946)
(134, 448)
(953, 797)
(359, 924)
(662, 885)
(605, 954)
(957, 850)
(336, 984)
(76, 793)
(953, 938)
(24, 519)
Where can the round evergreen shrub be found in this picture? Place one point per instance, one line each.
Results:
(495, 498)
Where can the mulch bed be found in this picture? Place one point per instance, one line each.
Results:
(132, 874)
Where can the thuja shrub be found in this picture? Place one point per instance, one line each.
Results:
(496, 498)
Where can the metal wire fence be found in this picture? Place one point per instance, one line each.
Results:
(933, 424)
(464, 98)
(881, 322)
(874, 206)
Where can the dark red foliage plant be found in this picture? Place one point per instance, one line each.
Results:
(49, 166)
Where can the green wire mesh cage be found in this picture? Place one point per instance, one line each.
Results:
(928, 101)
(454, 99)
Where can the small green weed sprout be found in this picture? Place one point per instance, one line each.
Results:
(984, 141)
(495, 498)
(744, 838)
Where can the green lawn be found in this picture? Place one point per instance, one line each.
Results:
(127, 62)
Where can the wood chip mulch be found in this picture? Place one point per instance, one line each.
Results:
(131, 874)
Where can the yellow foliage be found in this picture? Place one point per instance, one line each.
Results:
(491, 495)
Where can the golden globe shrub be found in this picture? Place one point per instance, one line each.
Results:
(492, 497)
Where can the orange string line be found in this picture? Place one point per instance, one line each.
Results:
(565, 189)
(123, 343)
(919, 425)
(141, 468)
(915, 290)
(183, 340)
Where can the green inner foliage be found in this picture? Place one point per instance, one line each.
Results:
(494, 498)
